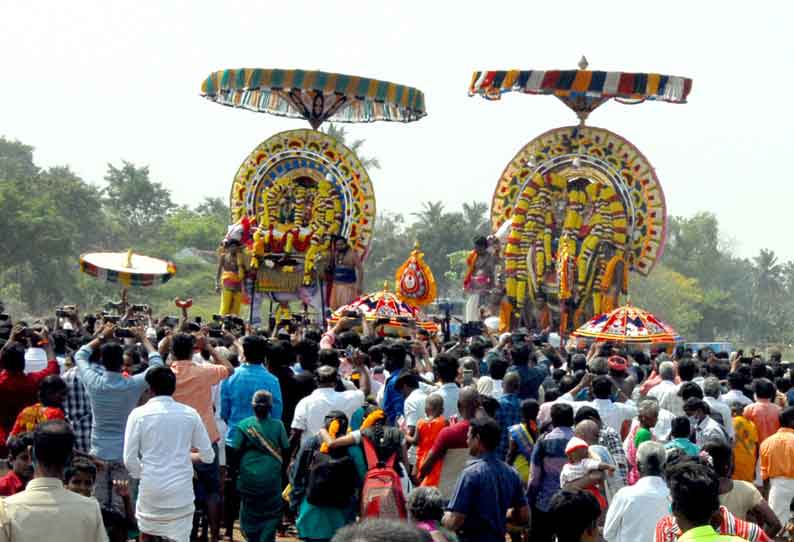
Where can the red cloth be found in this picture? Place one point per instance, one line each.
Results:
(19, 391)
(11, 484)
(453, 436)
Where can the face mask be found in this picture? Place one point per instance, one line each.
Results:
(693, 421)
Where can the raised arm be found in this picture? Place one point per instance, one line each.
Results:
(132, 446)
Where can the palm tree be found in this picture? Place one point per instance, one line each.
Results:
(340, 134)
(768, 280)
(475, 217)
(431, 214)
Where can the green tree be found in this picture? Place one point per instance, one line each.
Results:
(138, 205)
(672, 297)
(390, 246)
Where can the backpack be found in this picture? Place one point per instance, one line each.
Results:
(382, 494)
(331, 480)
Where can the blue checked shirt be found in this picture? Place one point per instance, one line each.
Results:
(238, 390)
(77, 408)
(112, 398)
(508, 414)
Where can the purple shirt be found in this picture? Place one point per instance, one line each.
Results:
(548, 458)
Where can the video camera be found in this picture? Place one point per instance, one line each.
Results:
(471, 329)
(111, 318)
(65, 311)
(123, 333)
(235, 324)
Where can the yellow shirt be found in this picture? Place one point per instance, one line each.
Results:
(746, 449)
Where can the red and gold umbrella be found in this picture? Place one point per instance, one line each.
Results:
(628, 324)
(387, 308)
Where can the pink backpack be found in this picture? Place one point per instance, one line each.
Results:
(382, 495)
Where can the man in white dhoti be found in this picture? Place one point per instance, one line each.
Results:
(777, 466)
(158, 444)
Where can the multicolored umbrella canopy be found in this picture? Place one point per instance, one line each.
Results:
(582, 90)
(127, 268)
(386, 306)
(628, 324)
(314, 95)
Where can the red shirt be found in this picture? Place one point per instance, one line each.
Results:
(11, 484)
(19, 391)
(453, 436)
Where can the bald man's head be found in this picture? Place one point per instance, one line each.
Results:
(587, 430)
(468, 401)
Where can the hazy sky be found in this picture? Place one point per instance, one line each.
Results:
(88, 83)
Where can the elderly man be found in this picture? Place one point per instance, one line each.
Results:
(589, 431)
(711, 392)
(609, 439)
(777, 465)
(635, 510)
(666, 392)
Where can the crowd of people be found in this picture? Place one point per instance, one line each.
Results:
(175, 429)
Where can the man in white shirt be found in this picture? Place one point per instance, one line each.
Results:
(666, 391)
(711, 392)
(613, 414)
(635, 510)
(413, 409)
(447, 371)
(310, 412)
(735, 394)
(157, 450)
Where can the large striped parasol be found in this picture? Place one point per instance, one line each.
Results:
(127, 268)
(582, 90)
(628, 324)
(314, 95)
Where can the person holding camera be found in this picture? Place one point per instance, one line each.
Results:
(112, 398)
(20, 390)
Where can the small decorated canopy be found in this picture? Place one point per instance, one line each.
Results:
(414, 282)
(628, 324)
(582, 90)
(314, 95)
(387, 308)
(127, 268)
